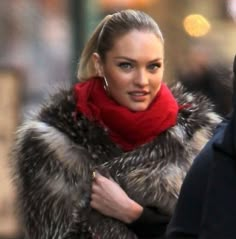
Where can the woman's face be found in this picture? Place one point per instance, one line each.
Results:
(134, 69)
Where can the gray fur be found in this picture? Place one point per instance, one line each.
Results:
(54, 157)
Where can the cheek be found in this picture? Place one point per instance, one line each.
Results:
(156, 81)
(118, 80)
(156, 84)
(119, 85)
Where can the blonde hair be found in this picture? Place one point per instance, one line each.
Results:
(107, 31)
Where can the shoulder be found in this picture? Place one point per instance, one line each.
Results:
(194, 101)
(58, 125)
(195, 107)
(50, 123)
(50, 139)
(197, 119)
(59, 104)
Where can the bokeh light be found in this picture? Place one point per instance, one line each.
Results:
(196, 25)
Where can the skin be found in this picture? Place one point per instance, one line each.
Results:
(111, 200)
(134, 71)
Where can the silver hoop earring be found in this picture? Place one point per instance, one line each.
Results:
(105, 85)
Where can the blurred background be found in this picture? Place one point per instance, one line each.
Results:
(41, 41)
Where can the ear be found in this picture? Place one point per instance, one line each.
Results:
(97, 64)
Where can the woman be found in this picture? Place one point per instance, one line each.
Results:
(106, 159)
(206, 205)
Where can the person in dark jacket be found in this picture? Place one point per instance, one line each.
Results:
(106, 158)
(206, 205)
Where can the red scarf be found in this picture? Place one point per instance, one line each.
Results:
(126, 128)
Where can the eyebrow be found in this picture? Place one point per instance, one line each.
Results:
(132, 60)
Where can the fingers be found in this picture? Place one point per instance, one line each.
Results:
(97, 191)
(95, 202)
(93, 175)
(101, 184)
(99, 178)
(98, 182)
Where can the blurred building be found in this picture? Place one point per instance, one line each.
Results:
(35, 46)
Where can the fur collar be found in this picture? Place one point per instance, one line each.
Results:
(151, 174)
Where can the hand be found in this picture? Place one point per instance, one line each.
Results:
(111, 200)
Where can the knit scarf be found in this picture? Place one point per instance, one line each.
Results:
(126, 128)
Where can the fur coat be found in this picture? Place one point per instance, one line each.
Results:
(54, 156)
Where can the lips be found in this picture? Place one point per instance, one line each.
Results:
(138, 95)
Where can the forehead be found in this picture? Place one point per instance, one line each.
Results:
(136, 44)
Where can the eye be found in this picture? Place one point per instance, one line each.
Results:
(154, 66)
(125, 65)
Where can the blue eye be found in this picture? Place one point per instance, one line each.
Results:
(125, 65)
(154, 66)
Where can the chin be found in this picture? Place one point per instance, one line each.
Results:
(138, 108)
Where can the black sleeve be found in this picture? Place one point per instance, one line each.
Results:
(151, 224)
(186, 221)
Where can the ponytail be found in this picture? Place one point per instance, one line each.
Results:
(86, 67)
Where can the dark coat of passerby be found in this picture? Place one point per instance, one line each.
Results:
(206, 205)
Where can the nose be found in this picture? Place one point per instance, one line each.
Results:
(141, 78)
